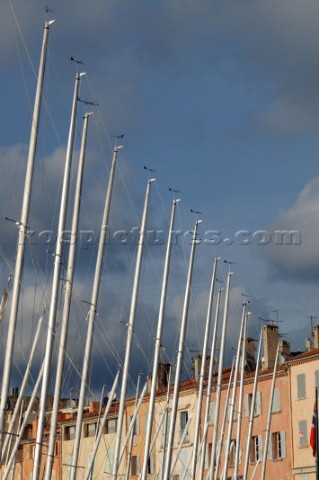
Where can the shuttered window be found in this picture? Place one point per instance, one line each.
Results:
(90, 456)
(276, 401)
(303, 434)
(109, 461)
(278, 445)
(183, 422)
(301, 385)
(135, 466)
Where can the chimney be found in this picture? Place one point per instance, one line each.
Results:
(270, 338)
(162, 375)
(197, 365)
(284, 348)
(308, 344)
(316, 336)
(250, 354)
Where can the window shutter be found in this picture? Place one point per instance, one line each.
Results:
(246, 405)
(258, 403)
(138, 465)
(109, 460)
(206, 456)
(145, 422)
(90, 456)
(283, 444)
(260, 447)
(301, 385)
(303, 440)
(212, 413)
(270, 447)
(317, 378)
(276, 401)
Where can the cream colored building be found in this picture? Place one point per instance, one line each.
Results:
(304, 377)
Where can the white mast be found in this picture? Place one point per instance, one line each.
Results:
(23, 386)
(241, 395)
(67, 302)
(209, 383)
(132, 432)
(55, 283)
(220, 377)
(203, 368)
(233, 401)
(165, 425)
(23, 228)
(158, 344)
(23, 425)
(167, 470)
(264, 460)
(132, 423)
(101, 428)
(252, 409)
(91, 316)
(223, 425)
(130, 332)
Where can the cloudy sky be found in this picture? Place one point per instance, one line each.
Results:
(221, 99)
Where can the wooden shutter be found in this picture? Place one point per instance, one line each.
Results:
(283, 444)
(258, 403)
(276, 401)
(246, 405)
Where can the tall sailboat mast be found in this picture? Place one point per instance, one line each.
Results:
(55, 282)
(167, 470)
(209, 383)
(23, 227)
(203, 368)
(130, 448)
(158, 344)
(165, 422)
(23, 387)
(67, 302)
(241, 396)
(233, 400)
(252, 409)
(273, 383)
(219, 378)
(130, 332)
(92, 312)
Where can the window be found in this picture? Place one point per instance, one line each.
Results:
(166, 421)
(277, 445)
(175, 477)
(183, 422)
(90, 456)
(136, 427)
(303, 435)
(211, 418)
(317, 378)
(90, 429)
(301, 385)
(255, 453)
(109, 461)
(184, 463)
(150, 465)
(248, 400)
(135, 466)
(232, 453)
(110, 425)
(276, 401)
(304, 476)
(69, 432)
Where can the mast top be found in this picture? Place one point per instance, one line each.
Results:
(49, 23)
